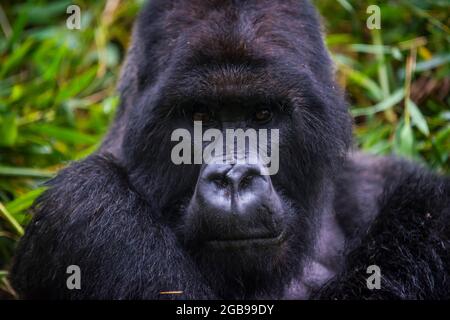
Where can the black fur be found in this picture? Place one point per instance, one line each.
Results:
(409, 239)
(119, 213)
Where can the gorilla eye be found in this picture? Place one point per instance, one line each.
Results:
(201, 116)
(263, 115)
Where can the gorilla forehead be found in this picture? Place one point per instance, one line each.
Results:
(253, 34)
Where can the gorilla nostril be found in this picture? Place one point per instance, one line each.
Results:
(238, 177)
(246, 181)
(243, 175)
(220, 182)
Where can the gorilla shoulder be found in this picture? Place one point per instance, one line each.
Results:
(367, 183)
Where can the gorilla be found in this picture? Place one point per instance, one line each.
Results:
(139, 226)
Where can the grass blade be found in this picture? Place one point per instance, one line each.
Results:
(24, 172)
(417, 117)
(24, 202)
(10, 219)
(386, 104)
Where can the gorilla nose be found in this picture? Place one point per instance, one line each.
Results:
(235, 202)
(238, 189)
(238, 177)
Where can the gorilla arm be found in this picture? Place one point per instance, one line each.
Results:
(408, 237)
(92, 218)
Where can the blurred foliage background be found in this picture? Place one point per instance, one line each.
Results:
(57, 87)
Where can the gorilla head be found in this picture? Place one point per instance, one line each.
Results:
(233, 65)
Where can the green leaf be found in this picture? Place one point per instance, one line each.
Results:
(380, 148)
(370, 48)
(433, 63)
(397, 54)
(24, 202)
(44, 13)
(338, 38)
(24, 172)
(417, 117)
(76, 85)
(443, 135)
(11, 220)
(8, 129)
(63, 134)
(386, 104)
(17, 58)
(445, 115)
(364, 81)
(346, 5)
(84, 153)
(383, 77)
(404, 140)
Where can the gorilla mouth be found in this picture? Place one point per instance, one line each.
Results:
(256, 240)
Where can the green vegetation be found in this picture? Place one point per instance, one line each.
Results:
(57, 87)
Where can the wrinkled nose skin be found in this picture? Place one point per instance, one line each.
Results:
(235, 203)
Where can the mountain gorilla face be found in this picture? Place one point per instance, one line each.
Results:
(240, 225)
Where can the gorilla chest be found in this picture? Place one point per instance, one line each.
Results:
(314, 276)
(325, 262)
